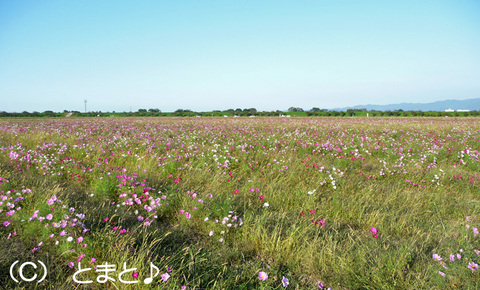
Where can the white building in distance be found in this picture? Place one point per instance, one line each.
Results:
(451, 110)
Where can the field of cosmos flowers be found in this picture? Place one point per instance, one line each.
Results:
(240, 203)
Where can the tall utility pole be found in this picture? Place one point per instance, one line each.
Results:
(85, 105)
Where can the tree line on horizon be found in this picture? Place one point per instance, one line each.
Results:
(292, 111)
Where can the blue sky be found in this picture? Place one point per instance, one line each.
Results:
(207, 55)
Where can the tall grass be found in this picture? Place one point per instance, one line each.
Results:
(214, 202)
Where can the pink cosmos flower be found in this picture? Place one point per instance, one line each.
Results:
(443, 264)
(165, 277)
(34, 215)
(473, 266)
(262, 276)
(436, 257)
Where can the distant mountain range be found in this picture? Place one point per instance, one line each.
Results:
(471, 104)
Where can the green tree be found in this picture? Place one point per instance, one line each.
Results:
(49, 113)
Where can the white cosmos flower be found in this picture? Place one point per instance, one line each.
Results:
(266, 204)
(69, 239)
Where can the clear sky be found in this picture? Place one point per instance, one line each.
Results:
(207, 55)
